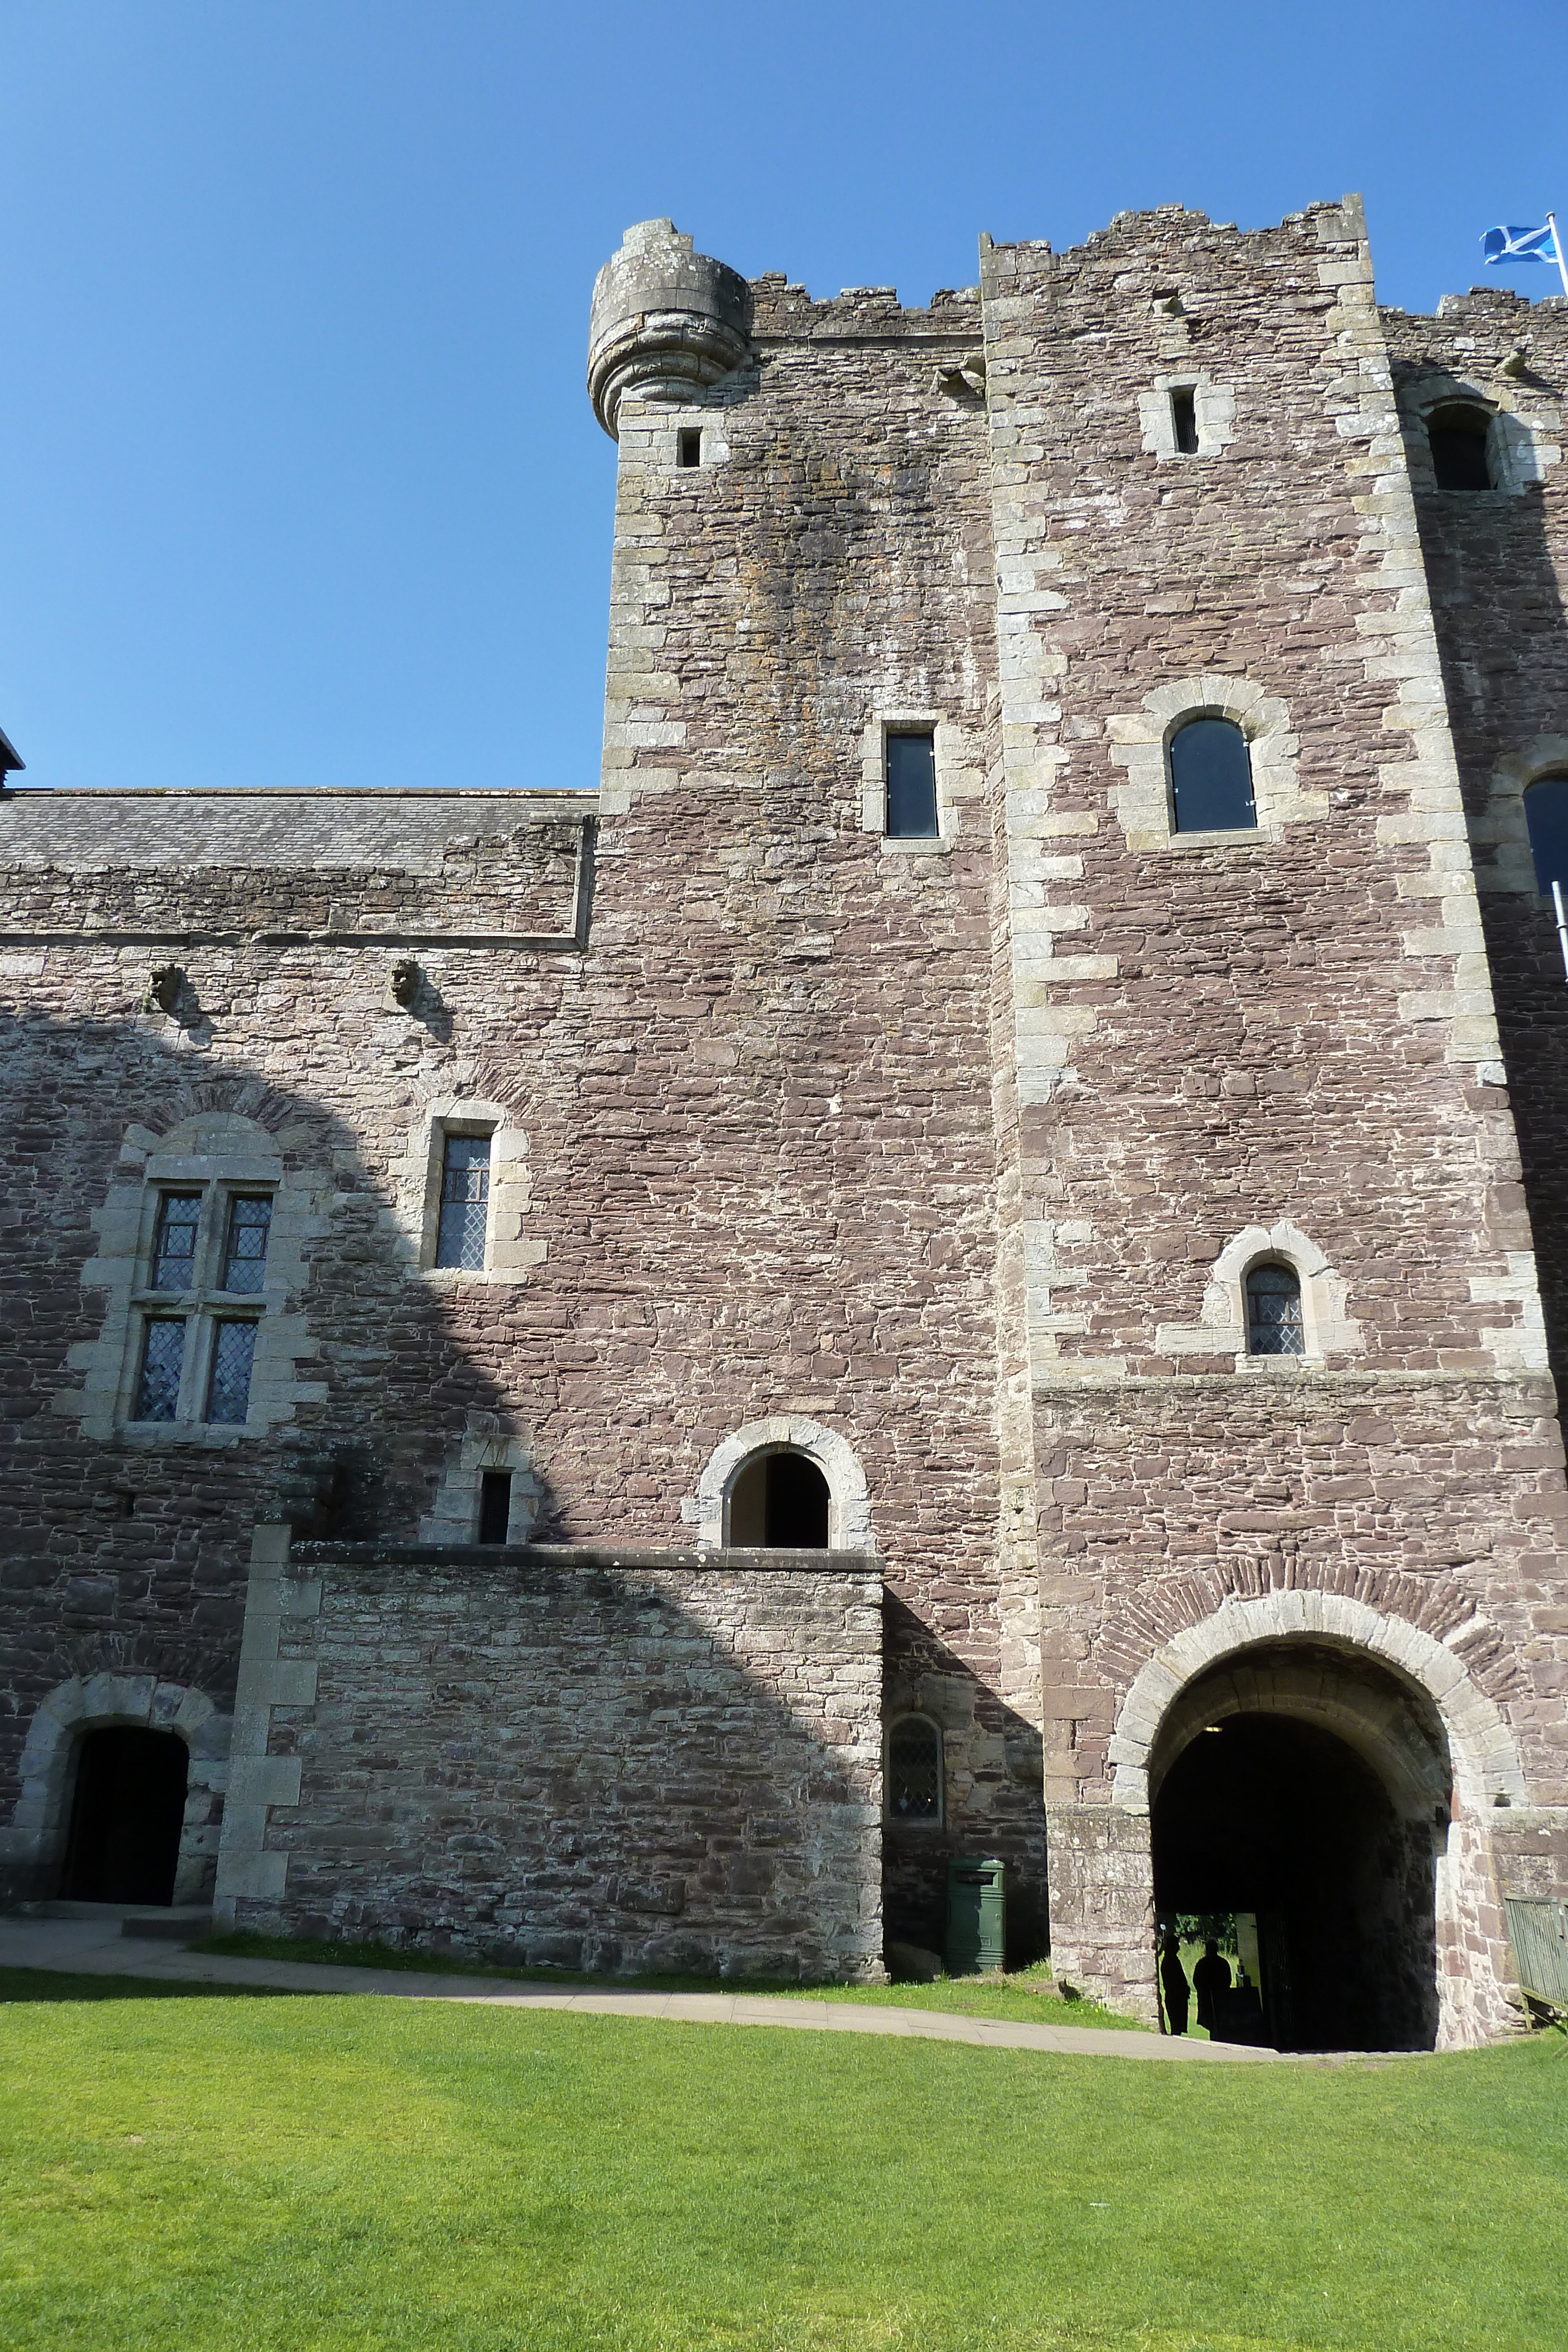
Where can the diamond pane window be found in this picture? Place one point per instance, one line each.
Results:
(1274, 1312)
(245, 1257)
(163, 1354)
(465, 1202)
(915, 1771)
(228, 1390)
(174, 1244)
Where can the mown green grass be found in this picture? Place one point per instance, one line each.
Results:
(1028, 1997)
(336, 2174)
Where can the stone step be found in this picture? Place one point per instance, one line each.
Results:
(182, 1924)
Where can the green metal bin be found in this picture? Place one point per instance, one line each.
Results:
(977, 1914)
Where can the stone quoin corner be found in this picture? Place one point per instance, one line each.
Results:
(966, 1258)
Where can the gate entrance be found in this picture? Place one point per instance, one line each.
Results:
(1305, 1788)
(126, 1816)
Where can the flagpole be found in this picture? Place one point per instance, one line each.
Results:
(1557, 249)
(1562, 914)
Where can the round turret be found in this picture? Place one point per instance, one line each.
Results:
(666, 322)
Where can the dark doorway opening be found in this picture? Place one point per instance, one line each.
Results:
(126, 1816)
(1267, 1815)
(780, 1500)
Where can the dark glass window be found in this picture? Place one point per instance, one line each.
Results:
(245, 1256)
(912, 786)
(495, 1505)
(1274, 1312)
(228, 1389)
(174, 1244)
(780, 1500)
(914, 1771)
(1457, 438)
(1211, 778)
(465, 1199)
(689, 445)
(1184, 418)
(1546, 815)
(158, 1381)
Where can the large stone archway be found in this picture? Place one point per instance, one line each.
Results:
(1396, 1700)
(33, 1844)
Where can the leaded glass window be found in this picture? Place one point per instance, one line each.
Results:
(465, 1202)
(244, 1251)
(914, 1771)
(174, 1242)
(158, 1380)
(1274, 1312)
(228, 1388)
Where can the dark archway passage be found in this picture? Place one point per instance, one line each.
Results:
(780, 1500)
(126, 1816)
(1262, 1812)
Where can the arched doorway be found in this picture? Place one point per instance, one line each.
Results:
(1306, 1787)
(127, 1813)
(780, 1499)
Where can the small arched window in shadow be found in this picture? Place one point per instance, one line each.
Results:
(1274, 1325)
(913, 1780)
(779, 1501)
(1546, 815)
(1457, 437)
(1211, 778)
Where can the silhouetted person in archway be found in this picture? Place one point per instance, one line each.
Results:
(1211, 1979)
(1173, 1984)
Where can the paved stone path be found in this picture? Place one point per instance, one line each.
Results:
(94, 1945)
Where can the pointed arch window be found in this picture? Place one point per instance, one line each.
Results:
(1274, 1322)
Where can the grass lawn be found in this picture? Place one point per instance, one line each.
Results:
(1029, 1996)
(291, 2173)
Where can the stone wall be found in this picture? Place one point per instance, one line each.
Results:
(582, 1758)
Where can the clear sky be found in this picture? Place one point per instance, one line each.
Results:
(298, 483)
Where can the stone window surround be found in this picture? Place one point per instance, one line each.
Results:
(41, 1821)
(216, 1153)
(454, 1517)
(849, 1503)
(1214, 413)
(511, 1255)
(1501, 826)
(958, 778)
(654, 432)
(895, 1821)
(1519, 450)
(1326, 1328)
(1139, 744)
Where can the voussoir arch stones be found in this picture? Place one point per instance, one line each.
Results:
(95, 1703)
(849, 1522)
(1485, 1759)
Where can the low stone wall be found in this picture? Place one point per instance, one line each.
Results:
(605, 1759)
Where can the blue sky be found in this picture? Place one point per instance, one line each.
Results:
(298, 480)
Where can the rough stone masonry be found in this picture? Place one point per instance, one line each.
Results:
(939, 1160)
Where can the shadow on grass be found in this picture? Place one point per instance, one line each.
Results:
(57, 1984)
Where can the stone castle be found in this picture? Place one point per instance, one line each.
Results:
(966, 1260)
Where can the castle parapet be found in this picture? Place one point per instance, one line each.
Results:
(666, 323)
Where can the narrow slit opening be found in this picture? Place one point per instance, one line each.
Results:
(495, 1505)
(689, 445)
(1184, 420)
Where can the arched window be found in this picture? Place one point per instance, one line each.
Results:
(1457, 437)
(1274, 1325)
(912, 1783)
(780, 1500)
(1546, 815)
(1211, 778)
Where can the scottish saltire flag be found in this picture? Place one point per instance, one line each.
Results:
(1521, 244)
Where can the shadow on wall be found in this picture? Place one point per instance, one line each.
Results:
(125, 1554)
(1504, 643)
(993, 1774)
